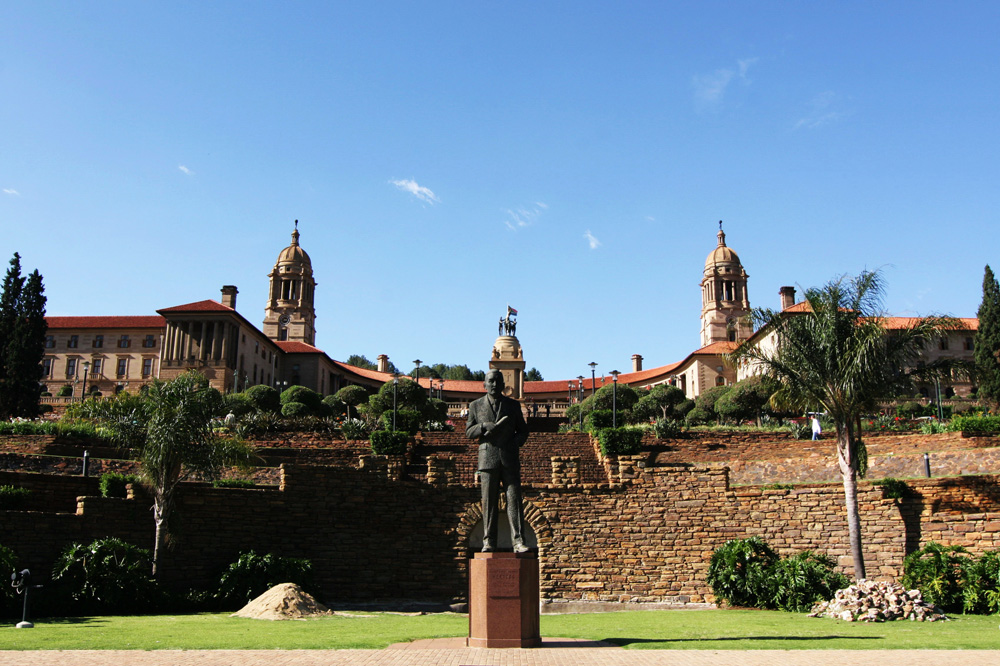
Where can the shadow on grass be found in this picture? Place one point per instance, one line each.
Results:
(71, 620)
(630, 641)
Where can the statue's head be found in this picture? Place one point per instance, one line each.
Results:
(494, 383)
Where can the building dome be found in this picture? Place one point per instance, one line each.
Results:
(721, 254)
(294, 254)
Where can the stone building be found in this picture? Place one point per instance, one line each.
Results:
(123, 353)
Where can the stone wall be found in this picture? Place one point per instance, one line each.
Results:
(644, 533)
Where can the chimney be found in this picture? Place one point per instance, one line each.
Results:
(383, 363)
(229, 296)
(636, 362)
(787, 297)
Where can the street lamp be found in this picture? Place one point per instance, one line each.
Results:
(569, 392)
(579, 385)
(593, 383)
(395, 384)
(614, 399)
(83, 394)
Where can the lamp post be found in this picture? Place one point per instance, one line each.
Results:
(395, 384)
(593, 383)
(579, 384)
(83, 394)
(569, 392)
(614, 399)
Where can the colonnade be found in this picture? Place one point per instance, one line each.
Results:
(212, 340)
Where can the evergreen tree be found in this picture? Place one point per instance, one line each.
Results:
(22, 341)
(987, 345)
(26, 348)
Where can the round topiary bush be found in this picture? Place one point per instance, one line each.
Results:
(292, 409)
(265, 398)
(304, 395)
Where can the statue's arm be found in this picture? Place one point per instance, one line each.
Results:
(473, 428)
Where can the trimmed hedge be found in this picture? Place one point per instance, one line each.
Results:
(598, 419)
(620, 441)
(407, 420)
(976, 425)
(13, 498)
(389, 442)
(113, 484)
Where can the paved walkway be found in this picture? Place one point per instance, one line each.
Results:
(556, 655)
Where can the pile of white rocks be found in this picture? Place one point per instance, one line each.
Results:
(877, 601)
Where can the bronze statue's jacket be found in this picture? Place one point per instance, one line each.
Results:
(498, 449)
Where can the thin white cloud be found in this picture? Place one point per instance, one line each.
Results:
(824, 108)
(592, 240)
(710, 89)
(524, 217)
(12, 192)
(422, 193)
(184, 170)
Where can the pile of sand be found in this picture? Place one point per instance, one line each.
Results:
(283, 602)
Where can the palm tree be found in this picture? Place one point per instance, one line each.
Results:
(838, 357)
(169, 428)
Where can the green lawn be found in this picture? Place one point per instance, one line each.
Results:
(657, 630)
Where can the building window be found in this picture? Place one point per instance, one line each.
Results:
(74, 342)
(968, 344)
(50, 342)
(46, 367)
(98, 342)
(149, 341)
(122, 366)
(71, 367)
(124, 342)
(95, 366)
(943, 344)
(147, 367)
(720, 381)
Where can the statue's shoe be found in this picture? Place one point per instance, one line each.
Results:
(520, 548)
(488, 547)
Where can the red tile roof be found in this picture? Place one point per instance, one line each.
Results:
(207, 305)
(106, 322)
(296, 347)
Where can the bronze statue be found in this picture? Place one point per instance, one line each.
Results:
(497, 423)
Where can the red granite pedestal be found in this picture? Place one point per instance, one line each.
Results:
(503, 600)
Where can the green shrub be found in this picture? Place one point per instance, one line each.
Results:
(739, 572)
(667, 429)
(334, 406)
(981, 592)
(110, 576)
(237, 404)
(620, 441)
(354, 429)
(264, 398)
(892, 488)
(598, 419)
(233, 483)
(306, 396)
(407, 420)
(113, 484)
(251, 575)
(799, 581)
(976, 425)
(8, 596)
(910, 410)
(697, 416)
(801, 430)
(294, 409)
(65, 391)
(389, 442)
(933, 427)
(13, 498)
(939, 572)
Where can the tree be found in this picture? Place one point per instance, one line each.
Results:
(746, 399)
(708, 398)
(659, 402)
(838, 358)
(352, 396)
(22, 341)
(361, 361)
(169, 429)
(987, 347)
(533, 375)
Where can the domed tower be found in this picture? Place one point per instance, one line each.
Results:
(289, 314)
(724, 301)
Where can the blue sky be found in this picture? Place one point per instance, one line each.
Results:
(445, 159)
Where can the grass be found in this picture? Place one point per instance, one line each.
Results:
(643, 630)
